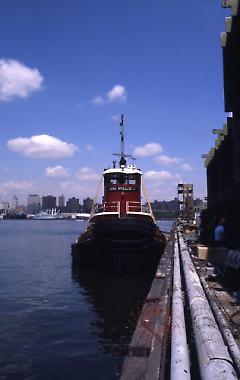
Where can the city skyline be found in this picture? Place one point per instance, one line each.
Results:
(38, 198)
(68, 74)
(59, 199)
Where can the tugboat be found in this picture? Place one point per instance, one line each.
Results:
(122, 233)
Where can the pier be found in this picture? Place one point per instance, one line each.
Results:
(189, 327)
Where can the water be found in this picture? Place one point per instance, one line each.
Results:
(59, 322)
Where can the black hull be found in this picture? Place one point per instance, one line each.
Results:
(134, 260)
(128, 228)
(120, 245)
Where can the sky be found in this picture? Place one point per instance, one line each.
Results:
(69, 69)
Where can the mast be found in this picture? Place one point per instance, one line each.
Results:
(122, 161)
(122, 135)
(122, 155)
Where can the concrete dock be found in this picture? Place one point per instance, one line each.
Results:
(189, 327)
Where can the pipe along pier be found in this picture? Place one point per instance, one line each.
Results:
(189, 328)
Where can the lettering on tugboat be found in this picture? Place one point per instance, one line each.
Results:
(121, 188)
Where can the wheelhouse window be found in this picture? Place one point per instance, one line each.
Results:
(132, 181)
(121, 179)
(122, 182)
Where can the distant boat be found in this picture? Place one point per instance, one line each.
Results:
(48, 215)
(14, 216)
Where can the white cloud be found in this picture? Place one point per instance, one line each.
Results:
(161, 184)
(117, 93)
(98, 100)
(85, 186)
(56, 171)
(162, 175)
(149, 149)
(89, 147)
(186, 167)
(159, 192)
(87, 174)
(42, 146)
(16, 79)
(167, 160)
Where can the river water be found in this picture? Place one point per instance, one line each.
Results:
(57, 321)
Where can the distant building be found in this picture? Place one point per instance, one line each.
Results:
(185, 196)
(197, 202)
(4, 207)
(73, 205)
(61, 201)
(22, 209)
(49, 202)
(87, 205)
(14, 203)
(33, 204)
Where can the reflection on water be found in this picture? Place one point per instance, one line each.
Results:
(60, 322)
(116, 302)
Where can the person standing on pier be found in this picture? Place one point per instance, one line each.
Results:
(220, 233)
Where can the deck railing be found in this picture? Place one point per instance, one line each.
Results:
(135, 207)
(115, 208)
(111, 207)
